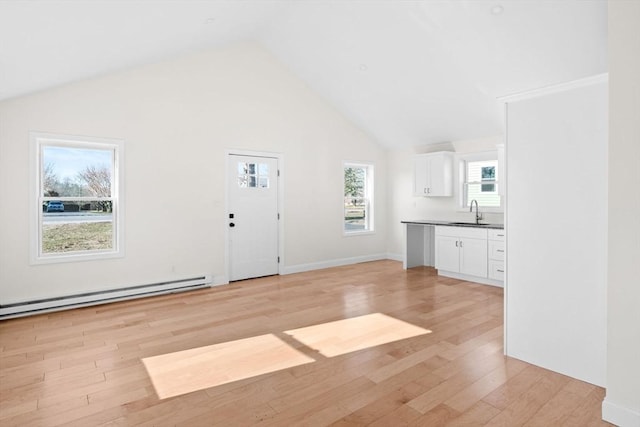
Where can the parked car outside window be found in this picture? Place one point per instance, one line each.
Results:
(55, 206)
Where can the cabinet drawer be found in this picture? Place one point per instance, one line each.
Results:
(496, 270)
(496, 250)
(470, 232)
(496, 234)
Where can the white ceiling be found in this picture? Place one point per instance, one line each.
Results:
(407, 72)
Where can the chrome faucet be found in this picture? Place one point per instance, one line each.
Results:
(478, 216)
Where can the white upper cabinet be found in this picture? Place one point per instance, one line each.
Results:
(433, 174)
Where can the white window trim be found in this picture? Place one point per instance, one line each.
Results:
(37, 141)
(370, 185)
(462, 170)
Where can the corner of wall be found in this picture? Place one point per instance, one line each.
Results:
(619, 415)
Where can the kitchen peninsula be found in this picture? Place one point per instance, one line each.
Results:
(463, 250)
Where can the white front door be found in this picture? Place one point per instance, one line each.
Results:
(253, 216)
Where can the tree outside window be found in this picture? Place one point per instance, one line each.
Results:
(358, 191)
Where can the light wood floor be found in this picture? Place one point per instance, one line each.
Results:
(84, 367)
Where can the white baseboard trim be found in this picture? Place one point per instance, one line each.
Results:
(219, 281)
(300, 268)
(482, 280)
(619, 415)
(395, 257)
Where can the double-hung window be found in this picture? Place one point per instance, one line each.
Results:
(479, 178)
(77, 198)
(358, 198)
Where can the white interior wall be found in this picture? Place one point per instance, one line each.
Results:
(177, 119)
(557, 230)
(622, 403)
(403, 205)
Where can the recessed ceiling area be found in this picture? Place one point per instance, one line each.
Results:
(407, 72)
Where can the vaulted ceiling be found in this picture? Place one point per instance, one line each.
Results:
(407, 72)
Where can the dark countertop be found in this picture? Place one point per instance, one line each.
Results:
(455, 224)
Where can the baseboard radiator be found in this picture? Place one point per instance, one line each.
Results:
(46, 305)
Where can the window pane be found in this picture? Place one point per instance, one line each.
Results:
(354, 181)
(488, 188)
(86, 207)
(264, 182)
(488, 173)
(263, 169)
(479, 170)
(355, 214)
(71, 171)
(73, 226)
(484, 198)
(357, 195)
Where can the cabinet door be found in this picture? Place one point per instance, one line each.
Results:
(440, 174)
(436, 176)
(448, 254)
(420, 176)
(433, 174)
(473, 257)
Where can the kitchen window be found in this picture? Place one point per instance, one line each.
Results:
(358, 198)
(479, 178)
(77, 189)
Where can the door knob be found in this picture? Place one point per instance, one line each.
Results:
(232, 225)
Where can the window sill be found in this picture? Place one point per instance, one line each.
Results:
(76, 257)
(357, 233)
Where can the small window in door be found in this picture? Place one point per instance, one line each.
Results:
(253, 175)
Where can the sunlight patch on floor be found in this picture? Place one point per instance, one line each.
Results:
(344, 336)
(199, 368)
(195, 369)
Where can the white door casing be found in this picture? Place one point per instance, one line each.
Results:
(252, 218)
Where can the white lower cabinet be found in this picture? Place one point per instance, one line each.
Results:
(473, 257)
(447, 252)
(461, 250)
